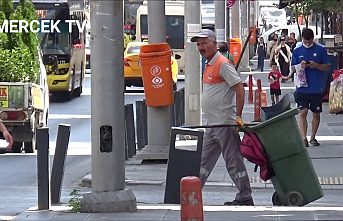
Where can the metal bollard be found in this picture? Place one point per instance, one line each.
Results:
(140, 125)
(145, 117)
(177, 108)
(182, 106)
(126, 144)
(130, 130)
(257, 103)
(43, 168)
(57, 172)
(172, 111)
(250, 95)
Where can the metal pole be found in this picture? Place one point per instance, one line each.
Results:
(220, 20)
(192, 64)
(158, 118)
(245, 32)
(108, 115)
(227, 24)
(43, 168)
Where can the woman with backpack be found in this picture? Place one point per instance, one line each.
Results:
(224, 50)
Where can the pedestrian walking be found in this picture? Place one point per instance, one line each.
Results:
(292, 42)
(314, 59)
(223, 101)
(283, 55)
(274, 80)
(261, 51)
(273, 47)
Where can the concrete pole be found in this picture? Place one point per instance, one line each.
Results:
(220, 6)
(236, 23)
(107, 105)
(192, 64)
(244, 67)
(236, 20)
(158, 118)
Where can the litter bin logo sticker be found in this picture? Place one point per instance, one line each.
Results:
(157, 81)
(235, 51)
(155, 70)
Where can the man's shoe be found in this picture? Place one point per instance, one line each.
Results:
(306, 142)
(248, 202)
(314, 142)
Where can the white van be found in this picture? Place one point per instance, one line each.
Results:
(268, 35)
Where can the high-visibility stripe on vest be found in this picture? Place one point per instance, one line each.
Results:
(211, 74)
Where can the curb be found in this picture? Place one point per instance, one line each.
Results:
(87, 182)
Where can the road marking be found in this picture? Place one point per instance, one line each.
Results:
(130, 91)
(214, 208)
(268, 88)
(328, 138)
(69, 116)
(322, 180)
(243, 208)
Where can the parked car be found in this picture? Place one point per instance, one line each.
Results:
(132, 68)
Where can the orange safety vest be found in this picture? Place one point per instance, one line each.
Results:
(211, 73)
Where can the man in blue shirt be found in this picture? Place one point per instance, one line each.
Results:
(313, 57)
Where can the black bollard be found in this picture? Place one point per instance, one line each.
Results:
(57, 173)
(43, 168)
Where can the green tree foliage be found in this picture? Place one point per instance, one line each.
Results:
(305, 6)
(18, 51)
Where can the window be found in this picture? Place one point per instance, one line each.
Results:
(134, 50)
(55, 43)
(174, 29)
(207, 10)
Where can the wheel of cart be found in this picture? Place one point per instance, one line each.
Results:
(276, 199)
(292, 198)
(295, 181)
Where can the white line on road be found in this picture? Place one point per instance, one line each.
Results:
(267, 88)
(244, 208)
(220, 208)
(69, 116)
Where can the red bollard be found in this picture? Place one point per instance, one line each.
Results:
(264, 102)
(250, 97)
(257, 103)
(259, 84)
(191, 199)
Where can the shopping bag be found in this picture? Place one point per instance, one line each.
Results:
(336, 95)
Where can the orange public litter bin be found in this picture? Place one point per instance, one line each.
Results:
(235, 49)
(252, 39)
(157, 75)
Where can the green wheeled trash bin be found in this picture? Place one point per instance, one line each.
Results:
(295, 181)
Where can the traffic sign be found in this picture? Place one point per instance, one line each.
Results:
(230, 3)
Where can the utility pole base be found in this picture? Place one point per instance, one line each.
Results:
(153, 153)
(109, 202)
